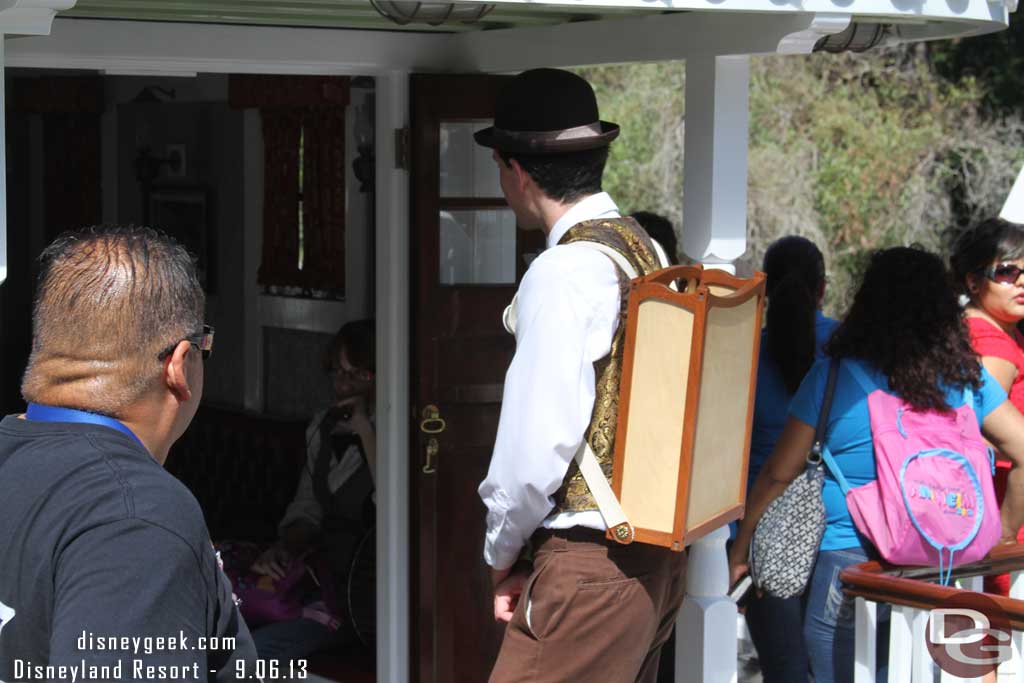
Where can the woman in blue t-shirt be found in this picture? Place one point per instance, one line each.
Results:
(906, 331)
(790, 343)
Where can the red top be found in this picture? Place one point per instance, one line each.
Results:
(989, 340)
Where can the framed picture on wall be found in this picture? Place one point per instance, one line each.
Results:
(184, 214)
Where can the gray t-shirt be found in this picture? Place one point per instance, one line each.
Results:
(106, 567)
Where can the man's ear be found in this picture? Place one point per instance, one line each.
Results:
(522, 177)
(175, 372)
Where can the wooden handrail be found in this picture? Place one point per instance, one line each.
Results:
(909, 586)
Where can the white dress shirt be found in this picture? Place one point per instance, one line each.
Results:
(567, 313)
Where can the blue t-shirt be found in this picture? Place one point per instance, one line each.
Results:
(771, 404)
(848, 435)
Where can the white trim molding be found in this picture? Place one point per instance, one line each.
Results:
(179, 49)
(3, 169)
(394, 608)
(822, 24)
(30, 17)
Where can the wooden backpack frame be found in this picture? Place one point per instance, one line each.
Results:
(686, 404)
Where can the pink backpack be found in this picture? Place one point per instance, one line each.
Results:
(933, 501)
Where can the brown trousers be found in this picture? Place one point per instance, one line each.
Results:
(598, 611)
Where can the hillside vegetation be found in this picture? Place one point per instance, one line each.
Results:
(858, 152)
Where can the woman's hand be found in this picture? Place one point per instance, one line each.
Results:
(273, 562)
(785, 464)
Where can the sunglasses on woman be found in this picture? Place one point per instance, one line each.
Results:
(1003, 273)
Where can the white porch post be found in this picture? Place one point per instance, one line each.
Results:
(714, 233)
(18, 17)
(1013, 209)
(3, 166)
(715, 159)
(393, 396)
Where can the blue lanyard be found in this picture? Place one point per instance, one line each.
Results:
(43, 413)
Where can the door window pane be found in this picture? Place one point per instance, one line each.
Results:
(478, 247)
(467, 169)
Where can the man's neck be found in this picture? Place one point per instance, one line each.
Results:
(551, 211)
(153, 426)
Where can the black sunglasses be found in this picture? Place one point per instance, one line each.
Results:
(201, 340)
(1003, 273)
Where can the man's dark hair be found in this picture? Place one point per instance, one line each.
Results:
(566, 178)
(108, 300)
(660, 229)
(359, 340)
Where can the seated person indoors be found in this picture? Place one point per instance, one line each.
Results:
(333, 505)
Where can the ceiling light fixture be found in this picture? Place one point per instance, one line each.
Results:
(857, 37)
(404, 12)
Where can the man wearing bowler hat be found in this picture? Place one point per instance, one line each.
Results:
(588, 608)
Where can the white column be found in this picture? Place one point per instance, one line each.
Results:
(252, 250)
(3, 167)
(715, 159)
(23, 17)
(714, 233)
(393, 607)
(706, 627)
(1013, 209)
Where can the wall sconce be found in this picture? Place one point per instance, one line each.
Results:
(154, 94)
(404, 12)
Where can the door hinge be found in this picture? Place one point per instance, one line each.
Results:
(402, 144)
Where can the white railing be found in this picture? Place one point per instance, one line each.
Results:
(912, 594)
(706, 627)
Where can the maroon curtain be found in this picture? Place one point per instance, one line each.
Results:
(281, 134)
(311, 109)
(324, 197)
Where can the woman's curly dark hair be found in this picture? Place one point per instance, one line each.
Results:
(905, 321)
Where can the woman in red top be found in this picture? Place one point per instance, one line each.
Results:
(988, 265)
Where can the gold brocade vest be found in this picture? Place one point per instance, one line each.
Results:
(625, 236)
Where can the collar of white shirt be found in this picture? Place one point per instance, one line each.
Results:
(595, 206)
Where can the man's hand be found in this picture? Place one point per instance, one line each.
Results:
(273, 562)
(508, 586)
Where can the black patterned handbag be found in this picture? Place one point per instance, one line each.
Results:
(788, 535)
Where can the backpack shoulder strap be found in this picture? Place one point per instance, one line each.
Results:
(969, 396)
(618, 259)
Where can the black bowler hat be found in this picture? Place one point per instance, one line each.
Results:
(547, 111)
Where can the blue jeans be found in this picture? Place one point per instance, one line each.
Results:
(772, 623)
(829, 621)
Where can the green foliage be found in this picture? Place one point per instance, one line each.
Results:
(857, 152)
(645, 166)
(995, 60)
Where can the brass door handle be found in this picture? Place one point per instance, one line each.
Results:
(432, 450)
(432, 422)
